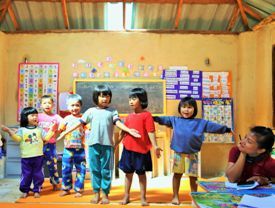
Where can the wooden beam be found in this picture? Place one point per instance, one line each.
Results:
(5, 9)
(65, 14)
(178, 14)
(233, 19)
(124, 14)
(13, 18)
(252, 12)
(134, 31)
(265, 21)
(148, 1)
(243, 15)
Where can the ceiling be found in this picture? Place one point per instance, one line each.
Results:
(186, 16)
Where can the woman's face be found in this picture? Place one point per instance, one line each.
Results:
(249, 145)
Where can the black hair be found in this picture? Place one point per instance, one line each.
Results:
(46, 97)
(264, 137)
(74, 97)
(24, 115)
(141, 94)
(188, 101)
(101, 89)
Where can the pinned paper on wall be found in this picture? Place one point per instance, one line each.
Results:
(216, 85)
(34, 81)
(181, 82)
(218, 110)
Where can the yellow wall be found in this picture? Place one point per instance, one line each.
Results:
(254, 79)
(165, 49)
(247, 56)
(3, 75)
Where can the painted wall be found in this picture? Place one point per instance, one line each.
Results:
(3, 74)
(254, 79)
(165, 49)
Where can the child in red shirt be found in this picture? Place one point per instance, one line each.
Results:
(136, 155)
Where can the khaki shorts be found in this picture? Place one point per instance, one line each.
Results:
(186, 163)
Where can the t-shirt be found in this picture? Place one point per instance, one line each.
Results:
(31, 143)
(143, 122)
(45, 121)
(188, 134)
(263, 167)
(102, 121)
(74, 139)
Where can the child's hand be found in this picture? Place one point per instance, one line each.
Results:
(134, 133)
(158, 152)
(60, 136)
(8, 130)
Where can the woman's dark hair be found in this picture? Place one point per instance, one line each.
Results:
(24, 115)
(101, 89)
(264, 137)
(188, 101)
(141, 94)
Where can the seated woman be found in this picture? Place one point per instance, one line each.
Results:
(251, 159)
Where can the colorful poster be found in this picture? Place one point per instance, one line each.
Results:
(181, 82)
(34, 81)
(218, 110)
(216, 85)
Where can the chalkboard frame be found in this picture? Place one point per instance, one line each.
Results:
(160, 99)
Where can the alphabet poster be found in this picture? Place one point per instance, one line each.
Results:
(34, 81)
(218, 110)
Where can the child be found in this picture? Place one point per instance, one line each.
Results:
(250, 160)
(45, 120)
(31, 139)
(74, 151)
(102, 119)
(136, 155)
(186, 141)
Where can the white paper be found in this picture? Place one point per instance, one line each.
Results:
(257, 202)
(241, 187)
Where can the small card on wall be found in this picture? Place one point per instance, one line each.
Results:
(34, 81)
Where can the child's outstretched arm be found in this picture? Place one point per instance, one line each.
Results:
(133, 132)
(157, 149)
(163, 120)
(11, 133)
(69, 130)
(53, 130)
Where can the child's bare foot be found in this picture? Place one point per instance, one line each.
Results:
(36, 195)
(24, 195)
(78, 194)
(64, 193)
(96, 198)
(55, 187)
(175, 201)
(125, 200)
(144, 202)
(105, 199)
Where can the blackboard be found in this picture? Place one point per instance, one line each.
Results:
(120, 93)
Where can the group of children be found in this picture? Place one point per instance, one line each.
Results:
(138, 137)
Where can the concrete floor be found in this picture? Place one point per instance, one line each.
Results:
(9, 190)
